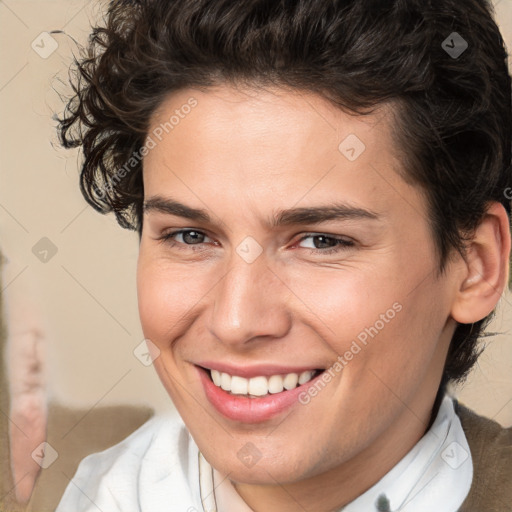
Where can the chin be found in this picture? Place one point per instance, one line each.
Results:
(279, 467)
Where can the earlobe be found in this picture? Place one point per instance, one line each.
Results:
(486, 266)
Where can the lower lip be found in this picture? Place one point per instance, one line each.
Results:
(250, 410)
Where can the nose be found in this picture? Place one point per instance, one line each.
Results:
(250, 304)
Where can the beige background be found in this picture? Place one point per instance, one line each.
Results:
(85, 296)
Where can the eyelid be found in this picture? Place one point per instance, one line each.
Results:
(342, 238)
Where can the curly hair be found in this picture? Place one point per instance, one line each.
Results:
(452, 104)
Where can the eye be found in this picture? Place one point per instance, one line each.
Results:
(183, 238)
(325, 244)
(193, 239)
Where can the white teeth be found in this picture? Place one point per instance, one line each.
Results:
(305, 376)
(259, 386)
(215, 377)
(225, 381)
(290, 381)
(239, 385)
(275, 384)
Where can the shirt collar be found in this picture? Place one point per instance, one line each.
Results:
(435, 475)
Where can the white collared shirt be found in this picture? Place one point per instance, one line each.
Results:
(158, 469)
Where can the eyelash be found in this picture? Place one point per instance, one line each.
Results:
(341, 245)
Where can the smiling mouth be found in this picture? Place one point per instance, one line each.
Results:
(260, 386)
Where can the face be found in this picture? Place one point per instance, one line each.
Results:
(279, 241)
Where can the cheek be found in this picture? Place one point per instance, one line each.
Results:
(380, 319)
(164, 297)
(400, 351)
(343, 303)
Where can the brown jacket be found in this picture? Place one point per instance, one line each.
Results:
(491, 450)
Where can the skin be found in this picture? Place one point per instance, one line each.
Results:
(242, 155)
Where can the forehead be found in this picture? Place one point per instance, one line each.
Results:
(270, 116)
(251, 144)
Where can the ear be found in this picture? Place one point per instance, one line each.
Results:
(485, 267)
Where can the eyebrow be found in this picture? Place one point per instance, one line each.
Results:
(292, 216)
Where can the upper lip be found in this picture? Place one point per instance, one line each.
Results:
(255, 370)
